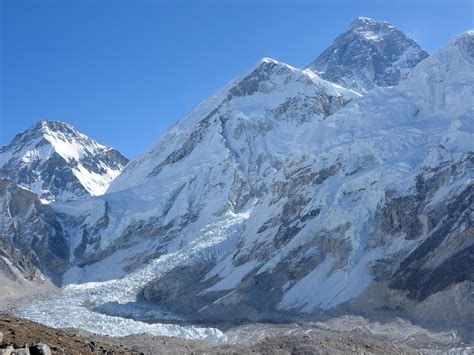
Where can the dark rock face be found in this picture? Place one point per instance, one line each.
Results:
(257, 81)
(368, 55)
(31, 236)
(430, 280)
(445, 255)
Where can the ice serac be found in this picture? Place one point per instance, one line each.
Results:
(58, 163)
(370, 54)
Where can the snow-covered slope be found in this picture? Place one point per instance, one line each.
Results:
(256, 117)
(370, 54)
(56, 162)
(277, 188)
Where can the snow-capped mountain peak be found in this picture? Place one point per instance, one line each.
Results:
(63, 138)
(270, 60)
(58, 162)
(369, 54)
(367, 22)
(371, 29)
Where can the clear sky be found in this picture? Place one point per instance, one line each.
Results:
(124, 71)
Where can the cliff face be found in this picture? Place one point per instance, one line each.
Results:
(32, 240)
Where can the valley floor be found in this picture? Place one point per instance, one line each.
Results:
(344, 335)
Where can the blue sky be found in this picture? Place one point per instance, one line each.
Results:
(124, 71)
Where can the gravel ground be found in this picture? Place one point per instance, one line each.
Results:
(343, 335)
(281, 344)
(20, 332)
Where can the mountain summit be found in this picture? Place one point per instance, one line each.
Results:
(57, 162)
(370, 53)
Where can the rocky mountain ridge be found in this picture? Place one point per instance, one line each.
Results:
(58, 163)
